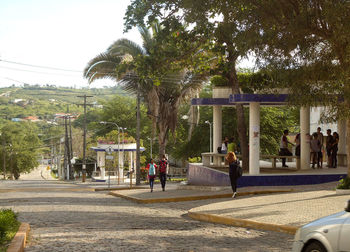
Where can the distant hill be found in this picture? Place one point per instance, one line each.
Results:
(45, 101)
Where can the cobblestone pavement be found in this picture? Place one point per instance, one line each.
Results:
(65, 219)
(292, 209)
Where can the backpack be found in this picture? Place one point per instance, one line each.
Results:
(152, 170)
(162, 166)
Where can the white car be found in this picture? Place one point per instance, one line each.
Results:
(328, 234)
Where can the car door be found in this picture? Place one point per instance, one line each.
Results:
(344, 237)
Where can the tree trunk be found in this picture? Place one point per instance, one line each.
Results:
(242, 135)
(241, 125)
(348, 145)
(162, 139)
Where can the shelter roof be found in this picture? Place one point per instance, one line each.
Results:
(245, 99)
(116, 147)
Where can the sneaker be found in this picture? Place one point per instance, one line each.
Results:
(163, 189)
(284, 165)
(234, 195)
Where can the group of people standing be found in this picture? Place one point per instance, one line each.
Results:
(317, 146)
(153, 169)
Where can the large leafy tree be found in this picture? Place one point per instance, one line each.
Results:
(308, 43)
(211, 22)
(21, 145)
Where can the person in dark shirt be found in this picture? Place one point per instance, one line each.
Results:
(329, 145)
(163, 165)
(335, 149)
(284, 151)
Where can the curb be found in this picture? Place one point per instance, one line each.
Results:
(18, 242)
(242, 223)
(36, 189)
(118, 188)
(193, 198)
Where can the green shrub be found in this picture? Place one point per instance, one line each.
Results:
(344, 183)
(8, 225)
(195, 160)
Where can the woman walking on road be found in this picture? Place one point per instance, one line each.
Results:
(163, 165)
(151, 173)
(233, 171)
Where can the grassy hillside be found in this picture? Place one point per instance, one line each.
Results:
(44, 102)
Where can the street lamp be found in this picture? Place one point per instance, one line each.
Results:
(210, 144)
(151, 143)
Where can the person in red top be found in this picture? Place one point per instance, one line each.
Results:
(151, 166)
(163, 165)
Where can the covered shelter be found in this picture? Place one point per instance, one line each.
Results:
(127, 150)
(222, 96)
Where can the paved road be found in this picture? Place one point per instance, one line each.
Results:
(70, 217)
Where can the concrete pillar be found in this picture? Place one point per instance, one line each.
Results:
(101, 162)
(254, 138)
(304, 139)
(341, 128)
(130, 161)
(217, 128)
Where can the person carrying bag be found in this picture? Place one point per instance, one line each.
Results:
(235, 171)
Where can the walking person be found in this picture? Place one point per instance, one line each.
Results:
(151, 166)
(163, 165)
(335, 149)
(284, 151)
(329, 145)
(234, 171)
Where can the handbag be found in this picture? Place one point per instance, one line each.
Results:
(239, 171)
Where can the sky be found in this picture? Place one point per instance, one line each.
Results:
(63, 34)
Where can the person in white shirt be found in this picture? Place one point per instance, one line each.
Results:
(223, 148)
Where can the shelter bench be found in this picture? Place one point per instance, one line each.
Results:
(274, 158)
(218, 159)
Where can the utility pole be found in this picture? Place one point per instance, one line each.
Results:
(70, 156)
(84, 135)
(67, 160)
(4, 156)
(138, 120)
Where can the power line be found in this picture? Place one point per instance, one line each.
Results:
(37, 66)
(31, 71)
(169, 77)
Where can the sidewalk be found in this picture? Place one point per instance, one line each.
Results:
(277, 212)
(281, 209)
(178, 193)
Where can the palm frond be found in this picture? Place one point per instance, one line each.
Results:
(124, 47)
(102, 66)
(147, 39)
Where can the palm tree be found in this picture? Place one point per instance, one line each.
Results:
(163, 99)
